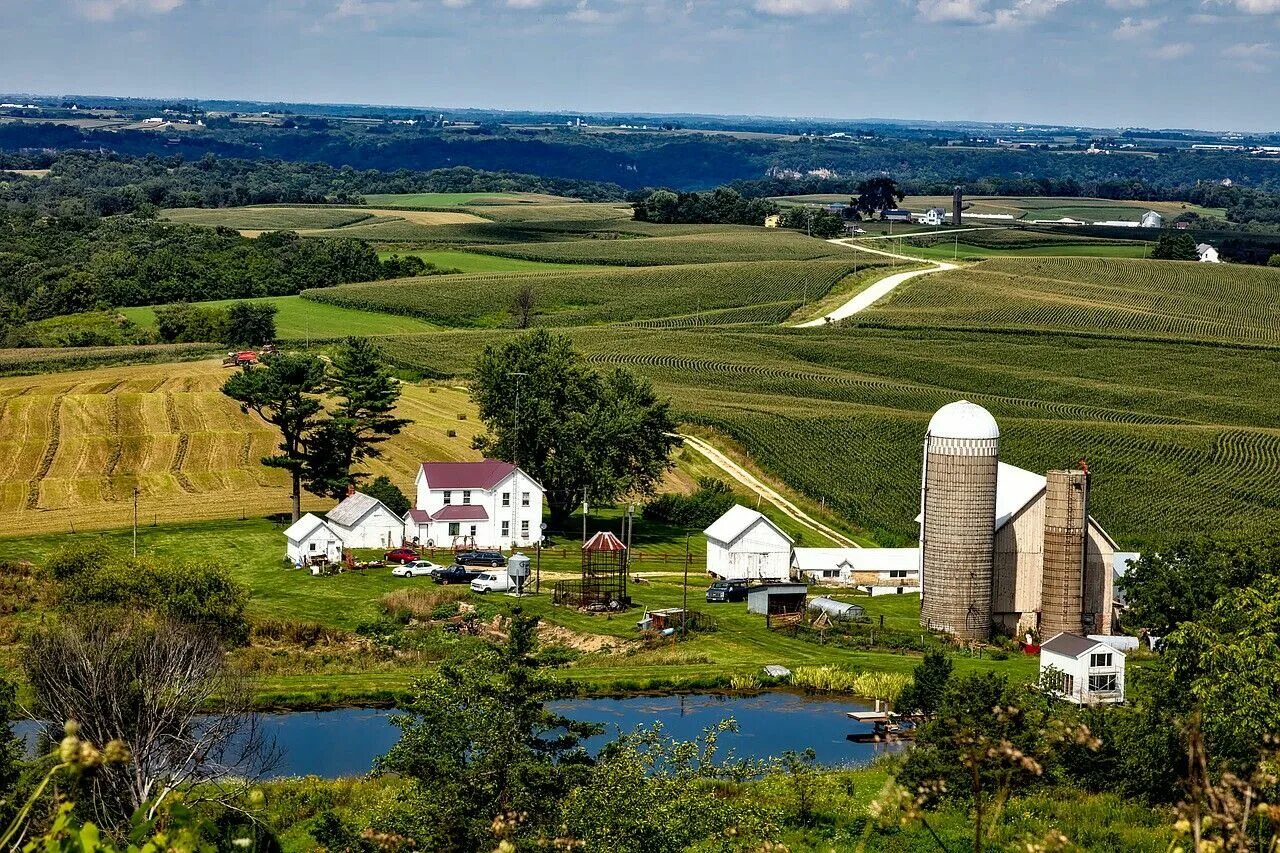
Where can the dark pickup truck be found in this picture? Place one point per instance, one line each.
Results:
(456, 574)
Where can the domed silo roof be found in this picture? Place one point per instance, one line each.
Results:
(964, 420)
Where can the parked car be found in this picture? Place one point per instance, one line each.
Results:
(416, 569)
(493, 582)
(400, 555)
(727, 591)
(480, 558)
(455, 574)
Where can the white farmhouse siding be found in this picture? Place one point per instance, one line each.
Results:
(366, 522)
(742, 544)
(878, 571)
(487, 504)
(1084, 671)
(310, 537)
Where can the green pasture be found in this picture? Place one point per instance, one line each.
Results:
(472, 262)
(430, 200)
(301, 319)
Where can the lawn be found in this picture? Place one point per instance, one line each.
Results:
(304, 319)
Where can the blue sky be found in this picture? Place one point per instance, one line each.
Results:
(1170, 63)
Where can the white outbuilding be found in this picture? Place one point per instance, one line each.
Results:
(743, 544)
(1083, 670)
(878, 571)
(311, 538)
(366, 522)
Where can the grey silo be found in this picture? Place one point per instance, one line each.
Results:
(1066, 513)
(957, 527)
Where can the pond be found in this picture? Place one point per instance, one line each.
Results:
(345, 741)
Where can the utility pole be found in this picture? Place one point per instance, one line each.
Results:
(684, 618)
(585, 509)
(515, 454)
(135, 521)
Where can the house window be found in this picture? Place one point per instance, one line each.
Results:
(473, 531)
(1102, 683)
(312, 546)
(1099, 659)
(898, 573)
(506, 529)
(506, 499)
(831, 573)
(454, 528)
(448, 497)
(524, 499)
(466, 496)
(524, 529)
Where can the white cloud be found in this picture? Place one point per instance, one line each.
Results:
(801, 7)
(1128, 4)
(1132, 28)
(1025, 11)
(1172, 51)
(106, 10)
(1257, 7)
(954, 11)
(1251, 57)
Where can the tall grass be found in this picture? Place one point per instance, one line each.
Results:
(833, 679)
(420, 602)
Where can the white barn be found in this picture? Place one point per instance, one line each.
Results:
(366, 522)
(743, 544)
(310, 537)
(486, 504)
(1084, 671)
(878, 571)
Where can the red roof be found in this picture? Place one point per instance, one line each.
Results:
(466, 475)
(419, 516)
(604, 541)
(461, 512)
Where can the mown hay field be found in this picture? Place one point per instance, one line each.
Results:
(1182, 439)
(756, 245)
(299, 319)
(319, 220)
(75, 445)
(582, 297)
(430, 200)
(1170, 299)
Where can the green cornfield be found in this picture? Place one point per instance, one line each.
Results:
(754, 245)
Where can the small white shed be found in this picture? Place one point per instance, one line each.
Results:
(743, 544)
(366, 522)
(310, 537)
(1083, 670)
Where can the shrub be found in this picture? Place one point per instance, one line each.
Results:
(386, 491)
(420, 602)
(712, 499)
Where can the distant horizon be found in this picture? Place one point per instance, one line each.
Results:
(827, 119)
(1098, 63)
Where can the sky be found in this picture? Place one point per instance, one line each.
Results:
(1210, 64)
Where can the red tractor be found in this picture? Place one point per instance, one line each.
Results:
(240, 359)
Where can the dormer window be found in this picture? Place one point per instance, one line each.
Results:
(1099, 659)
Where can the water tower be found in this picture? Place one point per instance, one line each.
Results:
(957, 525)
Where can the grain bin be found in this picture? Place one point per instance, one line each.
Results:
(957, 525)
(1066, 513)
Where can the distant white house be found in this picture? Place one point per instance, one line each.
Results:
(743, 544)
(1084, 671)
(1151, 219)
(878, 571)
(487, 504)
(311, 537)
(1208, 254)
(933, 216)
(365, 522)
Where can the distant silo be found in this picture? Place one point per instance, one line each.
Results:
(1066, 522)
(957, 202)
(957, 528)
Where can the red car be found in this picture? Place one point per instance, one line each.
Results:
(401, 555)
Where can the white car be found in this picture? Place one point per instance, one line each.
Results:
(493, 582)
(415, 569)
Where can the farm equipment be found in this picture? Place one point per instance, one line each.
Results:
(240, 359)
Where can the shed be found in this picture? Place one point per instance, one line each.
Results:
(366, 522)
(311, 538)
(776, 599)
(743, 544)
(1082, 670)
(879, 571)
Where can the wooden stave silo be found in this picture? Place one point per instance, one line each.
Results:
(1066, 528)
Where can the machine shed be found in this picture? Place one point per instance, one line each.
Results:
(777, 599)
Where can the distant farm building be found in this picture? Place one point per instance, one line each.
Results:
(777, 599)
(310, 539)
(773, 220)
(932, 216)
(1208, 254)
(743, 544)
(1151, 219)
(1083, 670)
(895, 215)
(877, 571)
(365, 522)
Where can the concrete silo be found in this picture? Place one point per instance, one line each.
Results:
(1066, 523)
(957, 525)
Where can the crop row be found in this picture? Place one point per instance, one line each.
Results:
(757, 245)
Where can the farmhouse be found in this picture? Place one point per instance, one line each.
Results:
(742, 544)
(365, 522)
(309, 539)
(475, 504)
(878, 571)
(933, 216)
(1083, 670)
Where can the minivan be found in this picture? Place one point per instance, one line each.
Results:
(727, 591)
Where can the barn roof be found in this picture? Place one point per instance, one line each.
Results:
(461, 512)
(1070, 645)
(466, 475)
(1015, 488)
(353, 508)
(304, 527)
(737, 520)
(604, 541)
